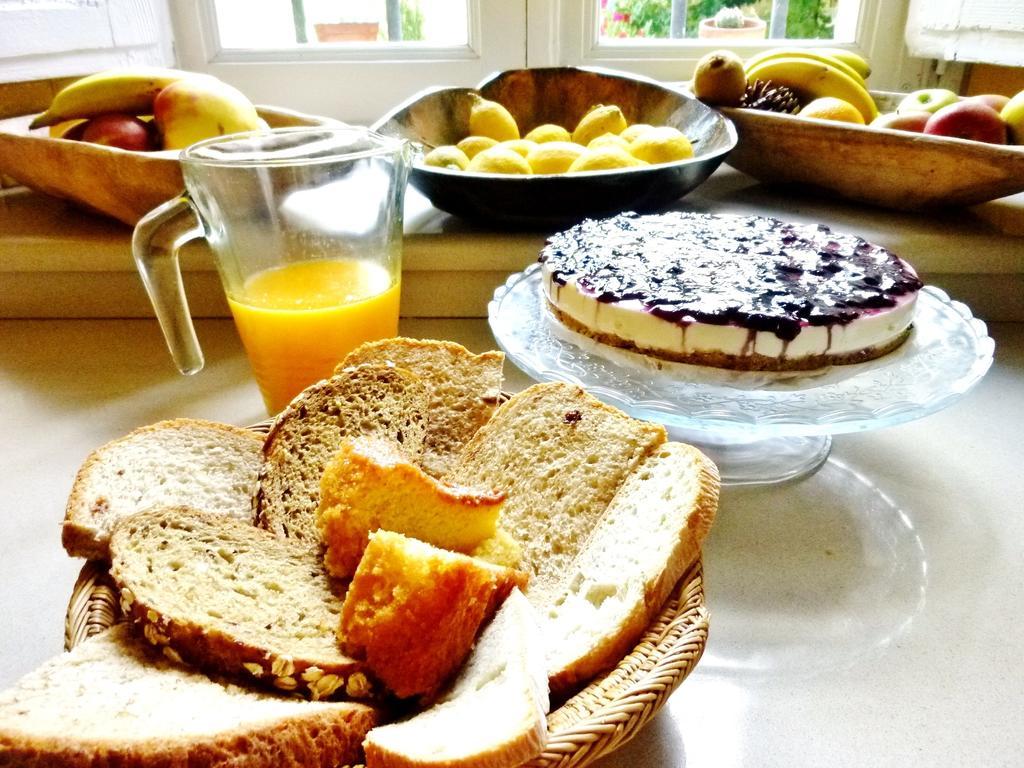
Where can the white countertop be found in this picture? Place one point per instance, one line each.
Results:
(868, 615)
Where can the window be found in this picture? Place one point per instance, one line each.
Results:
(384, 51)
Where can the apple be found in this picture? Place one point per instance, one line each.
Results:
(995, 100)
(1013, 115)
(202, 107)
(968, 120)
(927, 100)
(902, 121)
(117, 130)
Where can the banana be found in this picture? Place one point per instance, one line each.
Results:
(811, 79)
(114, 90)
(851, 59)
(805, 53)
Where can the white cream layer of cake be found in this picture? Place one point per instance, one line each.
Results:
(628, 321)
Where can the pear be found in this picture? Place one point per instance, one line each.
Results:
(198, 108)
(720, 79)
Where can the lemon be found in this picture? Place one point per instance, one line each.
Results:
(604, 118)
(554, 156)
(548, 132)
(609, 140)
(831, 108)
(604, 159)
(522, 146)
(473, 145)
(447, 157)
(489, 118)
(663, 144)
(634, 130)
(499, 160)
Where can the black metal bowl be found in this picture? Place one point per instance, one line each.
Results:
(561, 95)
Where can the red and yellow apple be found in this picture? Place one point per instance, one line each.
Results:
(197, 108)
(115, 130)
(902, 121)
(995, 100)
(968, 120)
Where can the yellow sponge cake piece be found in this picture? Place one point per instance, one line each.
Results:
(370, 484)
(413, 611)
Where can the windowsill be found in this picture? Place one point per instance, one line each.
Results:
(58, 261)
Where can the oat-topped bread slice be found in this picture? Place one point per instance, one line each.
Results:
(560, 455)
(232, 598)
(375, 400)
(641, 546)
(183, 461)
(492, 716)
(464, 389)
(113, 702)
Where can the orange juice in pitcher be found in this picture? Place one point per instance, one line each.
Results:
(305, 225)
(298, 321)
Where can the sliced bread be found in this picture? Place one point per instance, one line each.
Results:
(112, 702)
(413, 611)
(370, 484)
(492, 716)
(641, 546)
(464, 389)
(559, 454)
(183, 461)
(378, 400)
(232, 598)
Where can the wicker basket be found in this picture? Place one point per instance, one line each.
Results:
(599, 719)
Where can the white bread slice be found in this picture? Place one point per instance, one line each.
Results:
(374, 400)
(464, 389)
(492, 716)
(113, 702)
(232, 598)
(183, 461)
(648, 536)
(559, 454)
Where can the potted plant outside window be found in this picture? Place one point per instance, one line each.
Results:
(731, 23)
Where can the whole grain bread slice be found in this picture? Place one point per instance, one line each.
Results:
(114, 701)
(464, 389)
(560, 455)
(492, 716)
(608, 514)
(182, 461)
(374, 400)
(234, 599)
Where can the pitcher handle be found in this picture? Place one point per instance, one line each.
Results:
(158, 266)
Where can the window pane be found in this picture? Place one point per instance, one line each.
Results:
(289, 23)
(726, 20)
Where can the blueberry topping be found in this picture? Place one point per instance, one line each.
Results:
(755, 272)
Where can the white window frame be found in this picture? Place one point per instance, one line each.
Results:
(565, 33)
(358, 83)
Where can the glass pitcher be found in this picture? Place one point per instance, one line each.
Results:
(305, 225)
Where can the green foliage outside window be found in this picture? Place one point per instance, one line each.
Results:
(412, 20)
(806, 19)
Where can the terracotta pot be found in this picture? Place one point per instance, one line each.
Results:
(347, 31)
(752, 28)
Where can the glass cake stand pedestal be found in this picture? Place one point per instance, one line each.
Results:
(758, 427)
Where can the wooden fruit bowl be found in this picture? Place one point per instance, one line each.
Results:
(115, 182)
(887, 168)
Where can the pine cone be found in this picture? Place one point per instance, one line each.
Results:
(761, 94)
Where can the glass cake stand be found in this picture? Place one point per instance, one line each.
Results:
(759, 427)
